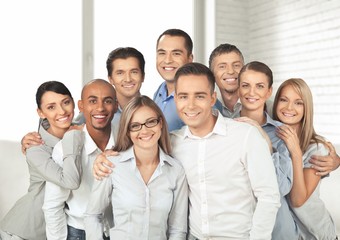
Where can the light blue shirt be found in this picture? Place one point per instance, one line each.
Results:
(285, 226)
(156, 210)
(167, 105)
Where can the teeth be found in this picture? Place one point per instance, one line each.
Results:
(230, 79)
(288, 115)
(146, 138)
(252, 99)
(62, 119)
(129, 86)
(99, 116)
(191, 114)
(169, 68)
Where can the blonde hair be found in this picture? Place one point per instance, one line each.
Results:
(307, 134)
(124, 141)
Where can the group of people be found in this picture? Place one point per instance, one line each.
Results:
(194, 162)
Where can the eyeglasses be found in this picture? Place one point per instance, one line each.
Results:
(134, 127)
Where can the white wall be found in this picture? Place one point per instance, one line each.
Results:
(296, 39)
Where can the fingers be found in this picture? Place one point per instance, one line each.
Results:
(30, 139)
(102, 166)
(110, 152)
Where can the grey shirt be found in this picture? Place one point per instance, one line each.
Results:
(313, 219)
(26, 219)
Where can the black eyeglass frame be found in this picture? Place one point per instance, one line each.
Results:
(146, 124)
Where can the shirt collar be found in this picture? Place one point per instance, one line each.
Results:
(129, 155)
(220, 127)
(90, 146)
(163, 91)
(270, 121)
(48, 138)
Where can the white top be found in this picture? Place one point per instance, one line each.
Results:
(312, 217)
(156, 210)
(233, 191)
(57, 217)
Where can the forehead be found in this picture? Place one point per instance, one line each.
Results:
(170, 43)
(125, 63)
(253, 76)
(290, 91)
(191, 84)
(51, 97)
(98, 89)
(143, 113)
(230, 57)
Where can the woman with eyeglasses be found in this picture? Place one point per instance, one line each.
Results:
(148, 189)
(55, 107)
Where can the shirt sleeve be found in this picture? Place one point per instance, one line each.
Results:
(54, 203)
(100, 198)
(178, 216)
(263, 181)
(67, 176)
(284, 169)
(53, 207)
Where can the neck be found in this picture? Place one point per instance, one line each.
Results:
(257, 116)
(123, 100)
(208, 127)
(170, 86)
(100, 137)
(229, 98)
(146, 157)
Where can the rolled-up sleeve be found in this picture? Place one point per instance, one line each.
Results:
(100, 199)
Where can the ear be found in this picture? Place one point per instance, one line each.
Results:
(80, 105)
(269, 94)
(40, 113)
(191, 58)
(213, 99)
(110, 80)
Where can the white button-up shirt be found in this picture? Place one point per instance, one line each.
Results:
(233, 191)
(57, 217)
(156, 210)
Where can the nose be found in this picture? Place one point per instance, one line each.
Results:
(61, 110)
(128, 77)
(230, 69)
(168, 58)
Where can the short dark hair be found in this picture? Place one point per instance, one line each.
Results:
(197, 69)
(52, 86)
(124, 53)
(224, 48)
(179, 33)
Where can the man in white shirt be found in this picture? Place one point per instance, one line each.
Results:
(98, 104)
(232, 181)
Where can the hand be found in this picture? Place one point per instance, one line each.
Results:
(30, 139)
(102, 166)
(325, 164)
(289, 136)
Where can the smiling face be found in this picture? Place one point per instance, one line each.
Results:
(290, 107)
(146, 137)
(98, 104)
(226, 68)
(194, 102)
(254, 90)
(58, 109)
(127, 77)
(171, 55)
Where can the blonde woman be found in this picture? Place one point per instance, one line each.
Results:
(147, 189)
(293, 106)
